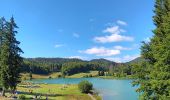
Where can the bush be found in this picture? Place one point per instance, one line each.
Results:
(90, 75)
(22, 97)
(85, 86)
(59, 76)
(49, 77)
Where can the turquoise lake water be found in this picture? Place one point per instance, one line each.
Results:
(109, 89)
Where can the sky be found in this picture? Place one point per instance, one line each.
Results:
(84, 29)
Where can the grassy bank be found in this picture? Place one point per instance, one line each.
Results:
(25, 76)
(52, 91)
(87, 74)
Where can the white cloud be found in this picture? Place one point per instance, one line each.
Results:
(125, 58)
(101, 51)
(120, 22)
(58, 45)
(113, 38)
(115, 35)
(112, 30)
(76, 35)
(121, 48)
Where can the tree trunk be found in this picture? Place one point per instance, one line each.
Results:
(12, 91)
(3, 91)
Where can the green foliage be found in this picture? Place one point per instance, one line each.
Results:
(59, 76)
(10, 59)
(74, 67)
(40, 66)
(85, 86)
(70, 68)
(65, 65)
(154, 73)
(22, 97)
(101, 73)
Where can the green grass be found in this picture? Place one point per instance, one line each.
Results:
(25, 76)
(80, 75)
(54, 91)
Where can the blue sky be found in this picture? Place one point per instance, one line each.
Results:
(86, 29)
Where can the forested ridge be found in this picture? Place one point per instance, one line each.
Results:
(70, 66)
(48, 65)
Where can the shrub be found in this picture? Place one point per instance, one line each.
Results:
(59, 76)
(85, 86)
(22, 97)
(90, 75)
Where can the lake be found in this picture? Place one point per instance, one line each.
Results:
(109, 89)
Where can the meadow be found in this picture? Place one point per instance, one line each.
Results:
(50, 91)
(25, 76)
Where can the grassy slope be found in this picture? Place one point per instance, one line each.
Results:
(80, 75)
(55, 92)
(55, 75)
(25, 76)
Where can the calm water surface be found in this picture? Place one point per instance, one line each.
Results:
(109, 89)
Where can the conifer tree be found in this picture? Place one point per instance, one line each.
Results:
(11, 60)
(3, 55)
(155, 83)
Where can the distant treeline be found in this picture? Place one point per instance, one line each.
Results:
(71, 66)
(64, 65)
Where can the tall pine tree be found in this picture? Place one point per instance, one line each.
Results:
(3, 55)
(155, 83)
(11, 60)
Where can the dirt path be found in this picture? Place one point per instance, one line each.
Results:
(2, 98)
(91, 96)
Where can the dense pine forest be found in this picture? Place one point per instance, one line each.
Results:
(72, 66)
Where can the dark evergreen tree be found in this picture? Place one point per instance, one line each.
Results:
(15, 59)
(3, 55)
(11, 60)
(155, 82)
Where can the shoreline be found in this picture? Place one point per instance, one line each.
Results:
(25, 76)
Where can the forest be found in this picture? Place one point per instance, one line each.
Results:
(72, 66)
